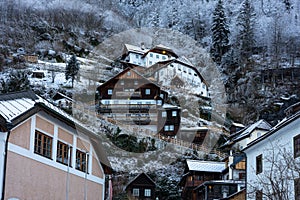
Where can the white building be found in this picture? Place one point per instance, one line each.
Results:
(165, 66)
(243, 137)
(273, 162)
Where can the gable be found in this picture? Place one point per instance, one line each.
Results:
(141, 180)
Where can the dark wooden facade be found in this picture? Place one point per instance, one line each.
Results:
(128, 85)
(141, 187)
(193, 179)
(168, 123)
(211, 190)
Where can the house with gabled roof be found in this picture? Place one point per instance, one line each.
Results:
(196, 173)
(132, 99)
(163, 64)
(141, 187)
(273, 160)
(46, 153)
(243, 137)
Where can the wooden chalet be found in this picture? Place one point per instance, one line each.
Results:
(211, 190)
(141, 187)
(196, 173)
(130, 97)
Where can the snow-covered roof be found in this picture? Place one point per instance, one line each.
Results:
(183, 59)
(169, 106)
(238, 124)
(285, 122)
(205, 166)
(198, 128)
(261, 124)
(136, 49)
(15, 104)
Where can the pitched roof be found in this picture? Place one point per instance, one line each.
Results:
(15, 104)
(286, 121)
(141, 175)
(205, 166)
(246, 132)
(19, 106)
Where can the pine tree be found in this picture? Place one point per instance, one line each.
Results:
(72, 69)
(245, 23)
(220, 33)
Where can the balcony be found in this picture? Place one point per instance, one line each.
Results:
(128, 94)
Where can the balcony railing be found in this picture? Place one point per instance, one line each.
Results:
(128, 94)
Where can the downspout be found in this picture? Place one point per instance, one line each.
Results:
(8, 126)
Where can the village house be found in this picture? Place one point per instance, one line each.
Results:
(196, 173)
(163, 65)
(273, 160)
(47, 154)
(132, 99)
(243, 137)
(141, 187)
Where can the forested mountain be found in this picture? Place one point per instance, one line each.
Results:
(260, 34)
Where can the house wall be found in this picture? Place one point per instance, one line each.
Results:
(31, 179)
(32, 176)
(283, 138)
(186, 73)
(253, 136)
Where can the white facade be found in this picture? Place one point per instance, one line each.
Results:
(274, 147)
(187, 74)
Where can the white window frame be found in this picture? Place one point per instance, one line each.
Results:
(147, 91)
(166, 128)
(110, 91)
(171, 127)
(164, 114)
(174, 113)
(147, 193)
(135, 192)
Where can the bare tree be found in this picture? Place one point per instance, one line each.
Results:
(276, 180)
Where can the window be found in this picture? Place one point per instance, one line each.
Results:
(166, 128)
(42, 144)
(242, 176)
(147, 91)
(164, 114)
(147, 193)
(136, 56)
(81, 160)
(164, 57)
(129, 73)
(109, 91)
(136, 82)
(122, 82)
(259, 164)
(297, 188)
(159, 102)
(161, 96)
(150, 62)
(297, 146)
(171, 127)
(174, 113)
(151, 55)
(63, 153)
(157, 56)
(136, 192)
(258, 195)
